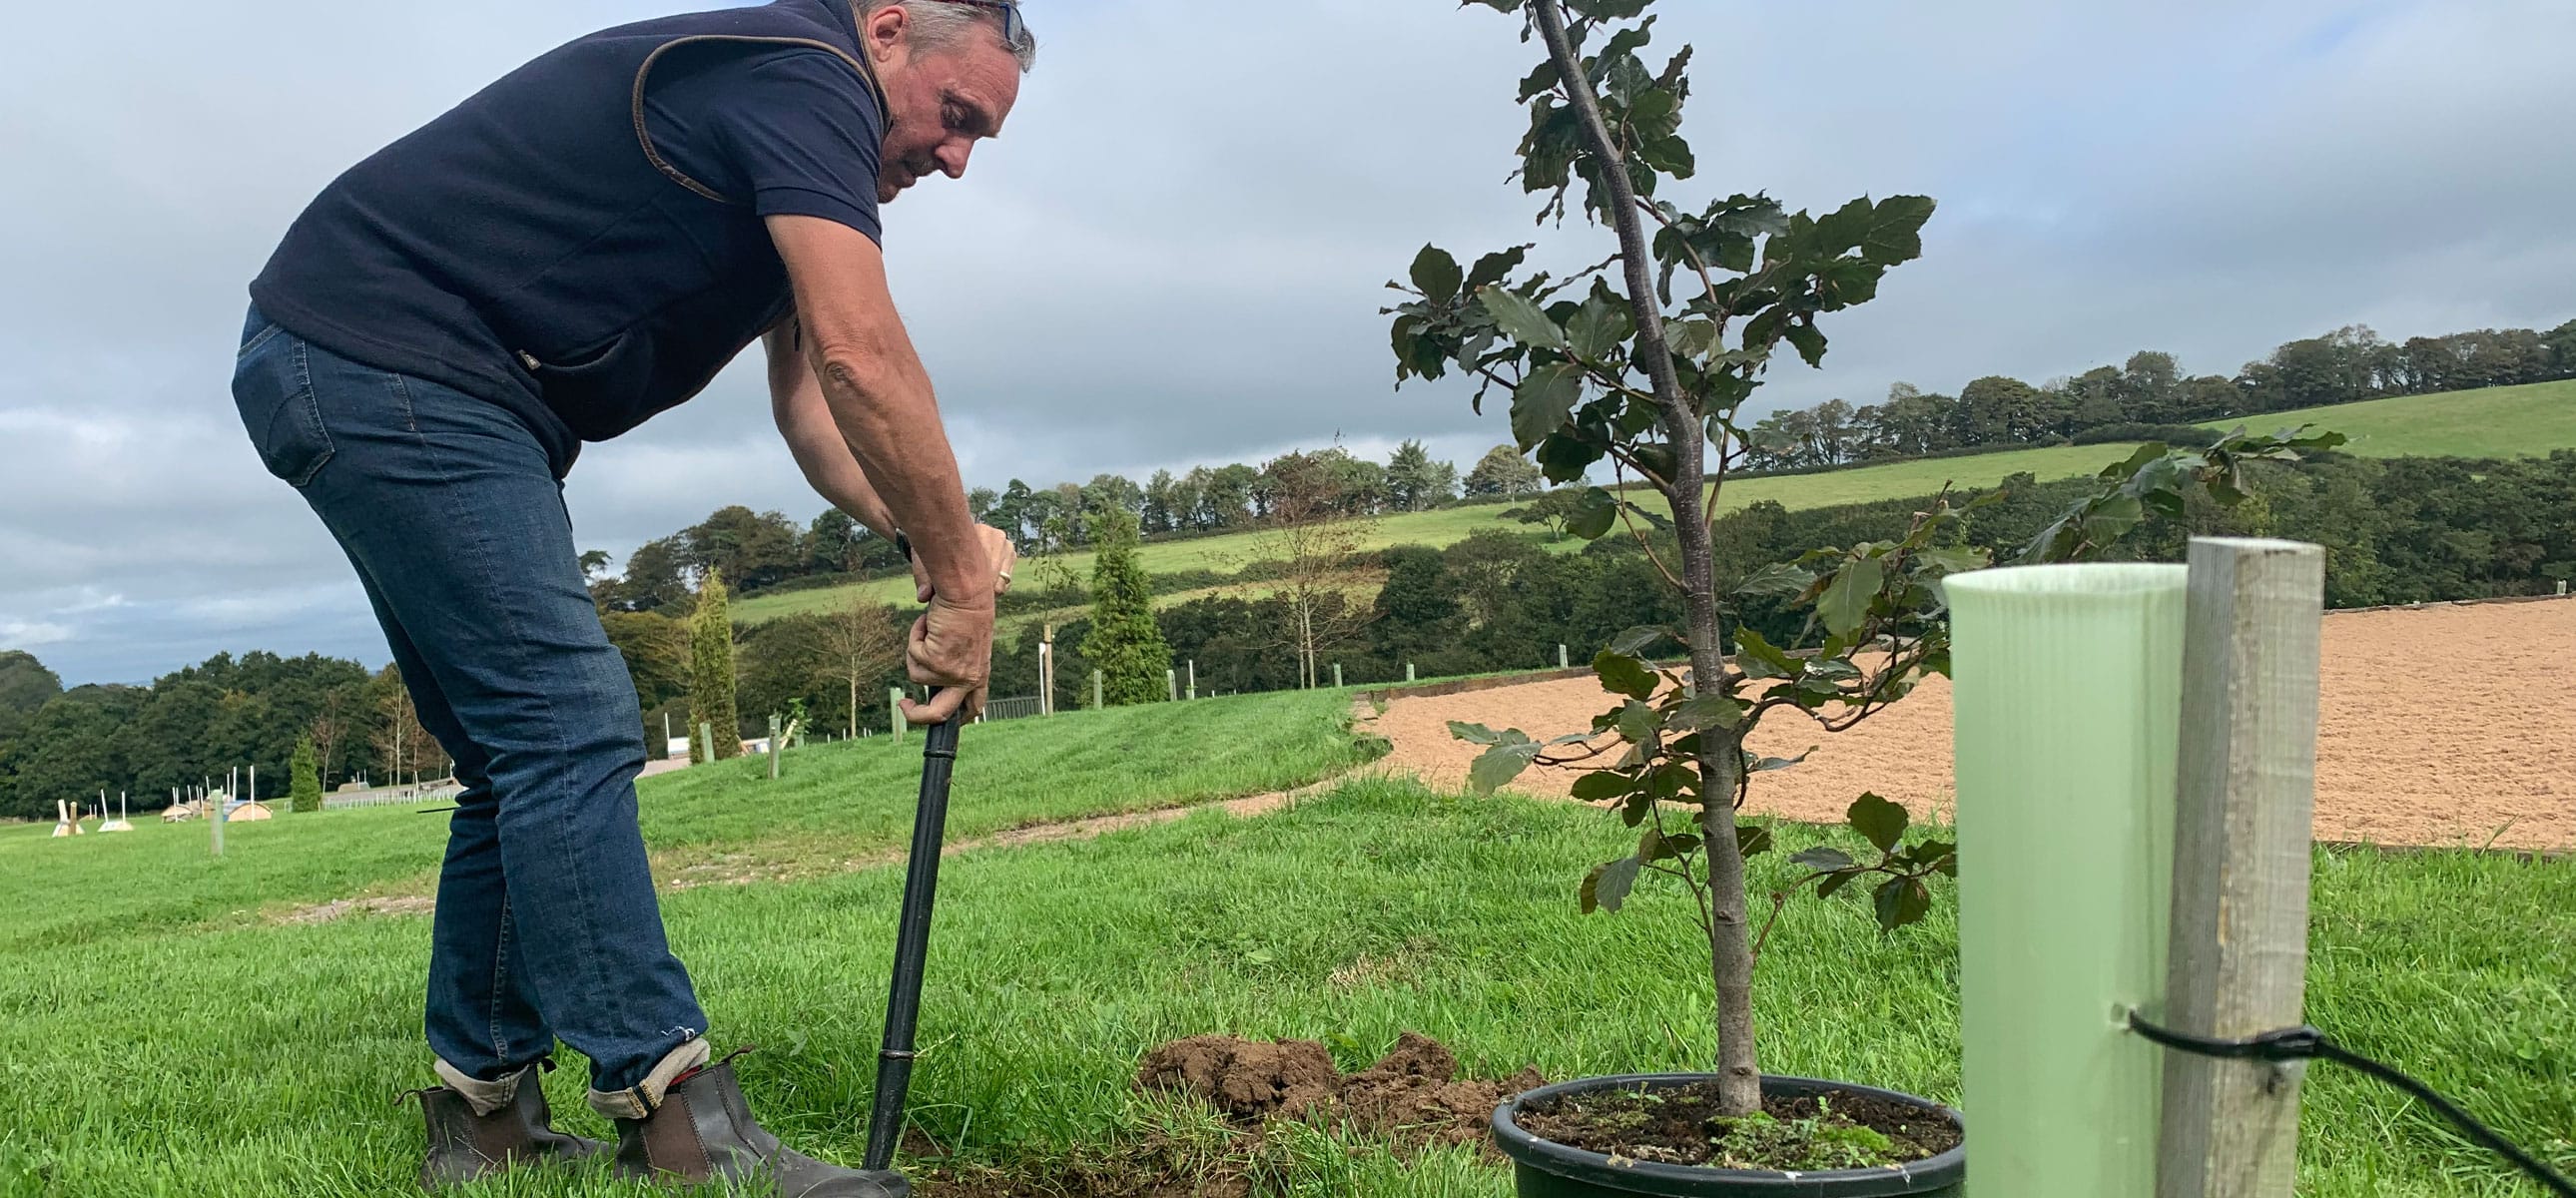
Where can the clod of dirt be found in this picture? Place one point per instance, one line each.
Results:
(1412, 1096)
(1415, 1095)
(1247, 1079)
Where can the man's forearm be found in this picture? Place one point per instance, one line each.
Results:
(881, 402)
(880, 399)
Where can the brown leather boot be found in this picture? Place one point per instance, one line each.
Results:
(699, 1130)
(479, 1128)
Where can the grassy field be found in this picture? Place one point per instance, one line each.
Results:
(1373, 909)
(2496, 422)
(836, 803)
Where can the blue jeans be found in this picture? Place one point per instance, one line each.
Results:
(547, 924)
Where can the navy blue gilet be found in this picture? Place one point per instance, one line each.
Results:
(532, 246)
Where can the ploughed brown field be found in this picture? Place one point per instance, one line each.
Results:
(2441, 726)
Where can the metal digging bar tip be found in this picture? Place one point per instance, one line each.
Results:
(912, 944)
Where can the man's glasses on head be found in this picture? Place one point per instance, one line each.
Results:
(1014, 31)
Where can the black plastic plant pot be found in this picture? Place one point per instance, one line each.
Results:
(1546, 1169)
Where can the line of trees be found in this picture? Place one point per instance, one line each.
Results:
(2400, 530)
(758, 551)
(2149, 393)
(200, 723)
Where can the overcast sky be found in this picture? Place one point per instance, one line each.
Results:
(1175, 254)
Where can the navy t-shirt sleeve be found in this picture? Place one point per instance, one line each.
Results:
(793, 134)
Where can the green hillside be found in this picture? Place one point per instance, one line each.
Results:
(2495, 422)
(1448, 526)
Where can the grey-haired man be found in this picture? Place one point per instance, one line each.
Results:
(578, 247)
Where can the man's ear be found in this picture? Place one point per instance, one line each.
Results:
(882, 33)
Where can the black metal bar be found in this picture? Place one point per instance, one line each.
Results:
(911, 945)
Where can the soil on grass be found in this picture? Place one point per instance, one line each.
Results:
(1412, 1096)
(2405, 754)
(1681, 1126)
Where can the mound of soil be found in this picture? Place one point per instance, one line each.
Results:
(1412, 1096)
(1681, 1126)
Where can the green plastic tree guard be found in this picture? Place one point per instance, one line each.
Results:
(2067, 684)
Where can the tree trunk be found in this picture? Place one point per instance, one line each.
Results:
(1721, 765)
(1721, 759)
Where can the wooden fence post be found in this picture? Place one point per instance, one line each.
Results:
(894, 710)
(774, 747)
(1046, 672)
(1194, 678)
(1337, 675)
(1098, 700)
(1172, 684)
(2245, 797)
(1561, 658)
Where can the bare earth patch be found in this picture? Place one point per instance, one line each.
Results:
(404, 904)
(2439, 726)
(744, 865)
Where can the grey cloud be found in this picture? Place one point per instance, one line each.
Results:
(1174, 255)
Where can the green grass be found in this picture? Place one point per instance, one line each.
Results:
(2494, 422)
(1373, 910)
(836, 803)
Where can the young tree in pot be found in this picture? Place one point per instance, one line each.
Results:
(1615, 364)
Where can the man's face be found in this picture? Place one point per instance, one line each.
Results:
(940, 103)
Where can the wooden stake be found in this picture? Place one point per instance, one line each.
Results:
(2246, 790)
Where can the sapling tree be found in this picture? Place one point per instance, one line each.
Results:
(1644, 363)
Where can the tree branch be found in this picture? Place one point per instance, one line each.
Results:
(1621, 211)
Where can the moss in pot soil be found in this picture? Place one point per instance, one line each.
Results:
(1681, 1126)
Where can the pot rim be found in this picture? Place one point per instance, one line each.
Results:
(1528, 1149)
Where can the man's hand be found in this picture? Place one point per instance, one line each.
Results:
(998, 550)
(951, 648)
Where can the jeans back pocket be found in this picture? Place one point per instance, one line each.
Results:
(273, 389)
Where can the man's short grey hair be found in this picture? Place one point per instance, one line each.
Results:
(937, 23)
